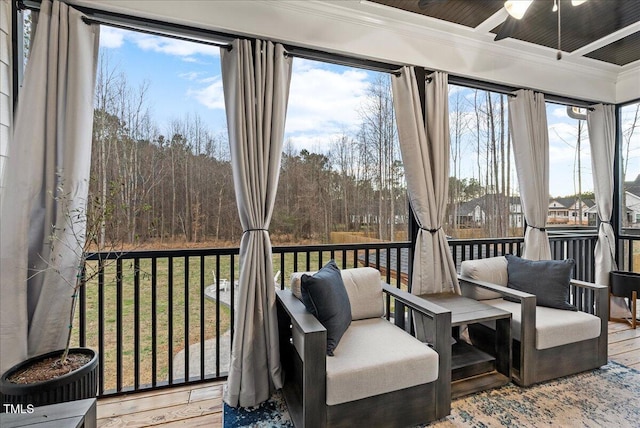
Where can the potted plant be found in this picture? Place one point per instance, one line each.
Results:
(70, 373)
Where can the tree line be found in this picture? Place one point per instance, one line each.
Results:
(175, 183)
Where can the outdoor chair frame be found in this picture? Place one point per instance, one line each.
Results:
(305, 375)
(531, 365)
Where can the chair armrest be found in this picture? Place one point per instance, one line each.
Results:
(300, 317)
(527, 322)
(303, 347)
(588, 285)
(416, 303)
(437, 321)
(600, 307)
(504, 291)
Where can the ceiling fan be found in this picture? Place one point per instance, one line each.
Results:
(517, 10)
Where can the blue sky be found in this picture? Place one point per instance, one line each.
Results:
(182, 76)
(184, 79)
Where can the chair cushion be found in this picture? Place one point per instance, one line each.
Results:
(376, 357)
(324, 295)
(554, 327)
(491, 269)
(365, 292)
(363, 288)
(549, 280)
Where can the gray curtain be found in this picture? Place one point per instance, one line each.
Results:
(256, 76)
(425, 153)
(530, 136)
(46, 177)
(601, 122)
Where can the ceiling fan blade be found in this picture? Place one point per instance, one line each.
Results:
(508, 27)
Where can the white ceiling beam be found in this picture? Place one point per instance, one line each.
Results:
(613, 37)
(493, 21)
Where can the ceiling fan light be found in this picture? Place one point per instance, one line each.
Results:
(577, 2)
(517, 8)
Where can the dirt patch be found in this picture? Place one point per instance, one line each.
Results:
(49, 368)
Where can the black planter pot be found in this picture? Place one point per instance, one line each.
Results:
(77, 385)
(626, 284)
(623, 284)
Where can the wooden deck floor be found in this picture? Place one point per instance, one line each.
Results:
(201, 406)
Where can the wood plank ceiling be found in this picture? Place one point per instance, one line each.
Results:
(589, 27)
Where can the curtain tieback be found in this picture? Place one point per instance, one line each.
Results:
(541, 229)
(255, 230)
(431, 231)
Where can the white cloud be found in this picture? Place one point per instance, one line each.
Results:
(563, 141)
(323, 99)
(563, 164)
(191, 75)
(211, 96)
(111, 37)
(176, 47)
(560, 112)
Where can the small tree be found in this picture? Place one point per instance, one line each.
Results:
(80, 233)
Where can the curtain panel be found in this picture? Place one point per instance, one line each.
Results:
(530, 136)
(424, 145)
(256, 76)
(601, 123)
(47, 181)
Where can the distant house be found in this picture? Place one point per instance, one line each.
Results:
(562, 211)
(570, 211)
(632, 203)
(476, 212)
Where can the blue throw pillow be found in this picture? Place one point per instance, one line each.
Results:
(548, 280)
(324, 295)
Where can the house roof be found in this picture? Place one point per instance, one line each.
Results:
(568, 202)
(485, 201)
(633, 186)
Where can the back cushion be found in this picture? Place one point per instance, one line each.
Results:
(365, 292)
(492, 269)
(296, 283)
(363, 288)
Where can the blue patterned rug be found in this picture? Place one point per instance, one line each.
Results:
(271, 413)
(608, 397)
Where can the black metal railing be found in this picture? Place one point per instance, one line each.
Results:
(628, 253)
(165, 317)
(579, 247)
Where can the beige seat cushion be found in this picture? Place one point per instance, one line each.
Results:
(554, 327)
(376, 357)
(363, 288)
(492, 269)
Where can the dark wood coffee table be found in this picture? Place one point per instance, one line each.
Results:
(70, 414)
(473, 370)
